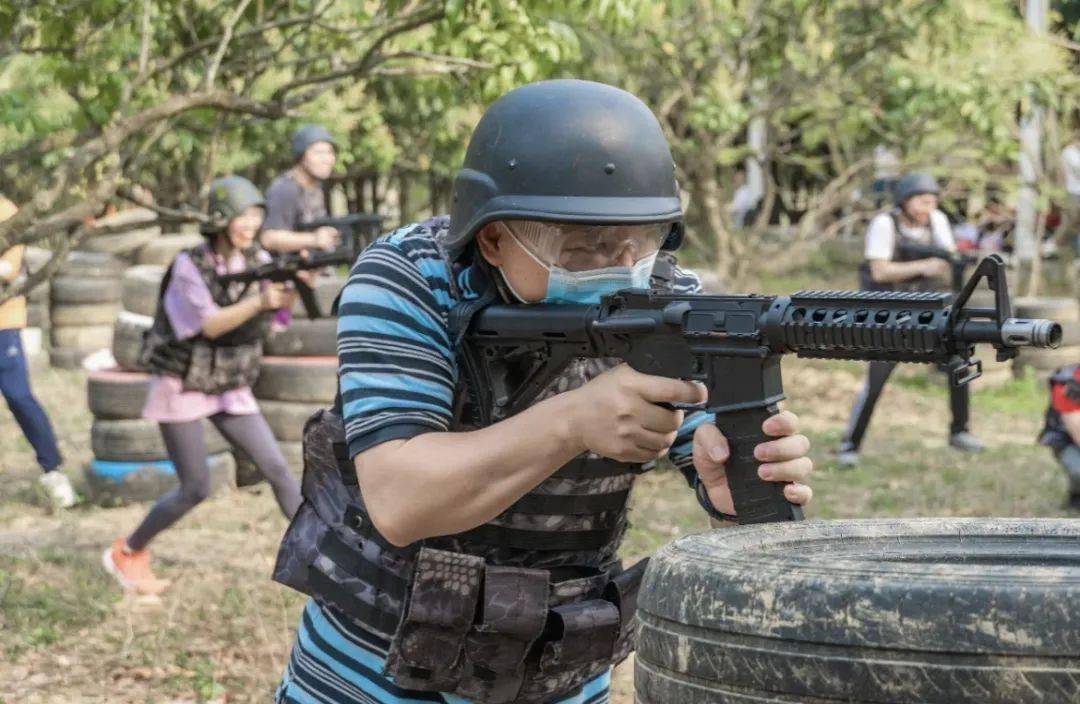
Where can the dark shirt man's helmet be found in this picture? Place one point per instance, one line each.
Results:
(230, 196)
(914, 184)
(565, 151)
(307, 135)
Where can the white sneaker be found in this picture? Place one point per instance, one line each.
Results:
(58, 488)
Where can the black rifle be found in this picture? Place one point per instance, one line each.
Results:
(352, 227)
(958, 262)
(285, 267)
(734, 344)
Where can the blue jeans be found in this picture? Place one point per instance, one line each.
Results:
(15, 386)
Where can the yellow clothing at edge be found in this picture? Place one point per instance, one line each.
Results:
(12, 312)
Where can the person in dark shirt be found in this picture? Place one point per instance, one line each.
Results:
(1061, 432)
(296, 196)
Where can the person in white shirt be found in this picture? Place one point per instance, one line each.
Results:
(915, 218)
(1070, 167)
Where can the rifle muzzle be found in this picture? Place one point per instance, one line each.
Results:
(1021, 332)
(1014, 332)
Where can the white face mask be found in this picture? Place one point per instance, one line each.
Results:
(587, 287)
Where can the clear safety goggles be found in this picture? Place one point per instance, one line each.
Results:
(580, 247)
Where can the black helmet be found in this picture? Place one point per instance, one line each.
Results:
(307, 135)
(230, 196)
(914, 184)
(567, 151)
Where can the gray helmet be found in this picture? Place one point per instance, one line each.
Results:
(914, 184)
(307, 135)
(230, 196)
(568, 151)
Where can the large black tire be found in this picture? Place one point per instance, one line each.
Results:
(139, 440)
(326, 290)
(298, 379)
(91, 265)
(162, 250)
(286, 419)
(931, 611)
(76, 314)
(140, 288)
(128, 338)
(247, 474)
(117, 483)
(72, 290)
(305, 338)
(116, 394)
(83, 337)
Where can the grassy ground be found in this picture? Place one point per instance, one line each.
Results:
(223, 631)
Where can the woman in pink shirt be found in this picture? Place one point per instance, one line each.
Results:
(204, 351)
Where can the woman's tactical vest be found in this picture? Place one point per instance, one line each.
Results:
(210, 366)
(1054, 433)
(918, 284)
(524, 608)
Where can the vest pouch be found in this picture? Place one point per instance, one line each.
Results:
(622, 591)
(513, 613)
(216, 369)
(426, 652)
(581, 633)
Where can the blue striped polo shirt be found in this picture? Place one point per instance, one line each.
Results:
(397, 376)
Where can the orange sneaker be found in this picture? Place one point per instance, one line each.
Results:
(132, 569)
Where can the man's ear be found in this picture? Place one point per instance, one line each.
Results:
(490, 240)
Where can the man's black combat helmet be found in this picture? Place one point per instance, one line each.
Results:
(565, 151)
(914, 184)
(307, 135)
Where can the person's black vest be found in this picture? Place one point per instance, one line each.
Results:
(211, 366)
(919, 283)
(524, 608)
(1054, 434)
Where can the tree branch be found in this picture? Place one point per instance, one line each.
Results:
(226, 38)
(361, 66)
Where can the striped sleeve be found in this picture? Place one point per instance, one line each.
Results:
(395, 365)
(682, 451)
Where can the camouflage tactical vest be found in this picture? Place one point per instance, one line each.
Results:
(210, 366)
(524, 608)
(1054, 434)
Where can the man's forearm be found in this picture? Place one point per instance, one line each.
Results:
(887, 272)
(287, 240)
(445, 483)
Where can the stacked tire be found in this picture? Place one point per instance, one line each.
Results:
(85, 298)
(1043, 362)
(139, 292)
(298, 377)
(130, 461)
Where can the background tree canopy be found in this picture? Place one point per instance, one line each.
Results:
(98, 96)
